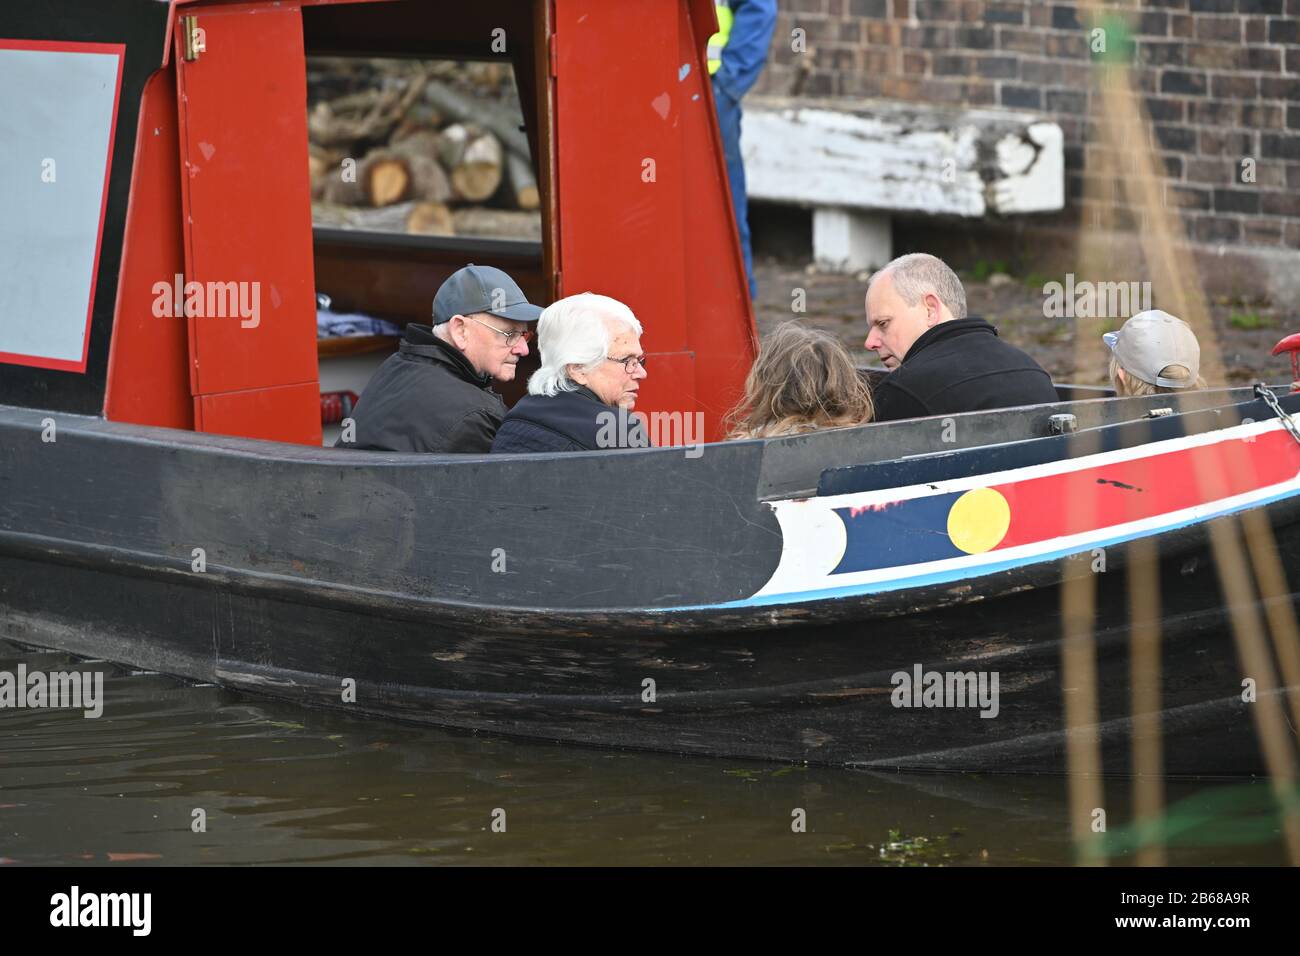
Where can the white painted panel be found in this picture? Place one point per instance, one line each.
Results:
(822, 157)
(901, 157)
(56, 118)
(1033, 165)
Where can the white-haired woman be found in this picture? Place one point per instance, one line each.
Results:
(582, 396)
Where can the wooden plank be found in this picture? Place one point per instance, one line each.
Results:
(901, 157)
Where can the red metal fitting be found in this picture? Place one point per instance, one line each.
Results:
(336, 406)
(1291, 344)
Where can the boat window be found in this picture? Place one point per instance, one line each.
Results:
(429, 132)
(423, 147)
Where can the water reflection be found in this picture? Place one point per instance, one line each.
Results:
(282, 784)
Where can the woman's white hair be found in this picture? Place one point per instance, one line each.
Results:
(572, 331)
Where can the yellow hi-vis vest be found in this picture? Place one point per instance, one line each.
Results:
(719, 39)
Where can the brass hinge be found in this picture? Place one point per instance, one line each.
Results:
(195, 39)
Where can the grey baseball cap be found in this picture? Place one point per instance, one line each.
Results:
(482, 289)
(1152, 340)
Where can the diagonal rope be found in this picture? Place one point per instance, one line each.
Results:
(1126, 131)
(1144, 686)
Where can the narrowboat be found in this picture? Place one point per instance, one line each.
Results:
(167, 503)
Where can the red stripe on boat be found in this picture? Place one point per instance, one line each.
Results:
(1106, 495)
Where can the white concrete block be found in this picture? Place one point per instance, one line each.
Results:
(850, 240)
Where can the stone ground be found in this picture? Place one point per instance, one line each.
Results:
(1015, 304)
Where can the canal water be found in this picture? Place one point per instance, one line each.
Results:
(176, 773)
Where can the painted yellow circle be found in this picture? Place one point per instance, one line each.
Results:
(978, 520)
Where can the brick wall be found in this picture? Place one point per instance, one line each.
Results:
(1220, 80)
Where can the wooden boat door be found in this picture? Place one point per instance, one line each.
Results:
(249, 289)
(646, 210)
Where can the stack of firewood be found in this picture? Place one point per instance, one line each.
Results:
(430, 148)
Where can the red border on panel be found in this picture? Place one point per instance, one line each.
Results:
(59, 46)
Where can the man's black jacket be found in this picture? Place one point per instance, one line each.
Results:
(961, 366)
(568, 421)
(429, 398)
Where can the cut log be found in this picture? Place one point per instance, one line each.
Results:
(385, 177)
(428, 180)
(522, 182)
(430, 219)
(320, 164)
(497, 223)
(498, 118)
(451, 145)
(416, 218)
(478, 174)
(342, 185)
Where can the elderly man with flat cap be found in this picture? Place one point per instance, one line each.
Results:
(435, 394)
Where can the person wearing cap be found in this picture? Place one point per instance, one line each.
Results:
(1154, 352)
(582, 396)
(941, 361)
(435, 393)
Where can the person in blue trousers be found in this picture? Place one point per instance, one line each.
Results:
(737, 53)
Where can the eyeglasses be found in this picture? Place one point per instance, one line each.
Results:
(511, 337)
(631, 363)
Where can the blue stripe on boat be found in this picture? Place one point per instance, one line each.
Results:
(958, 574)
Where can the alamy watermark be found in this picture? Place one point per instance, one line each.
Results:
(953, 689)
(662, 429)
(76, 690)
(1095, 300)
(74, 909)
(209, 300)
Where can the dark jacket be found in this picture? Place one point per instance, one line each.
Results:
(961, 366)
(428, 398)
(568, 421)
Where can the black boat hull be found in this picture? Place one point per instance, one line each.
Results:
(627, 609)
(804, 694)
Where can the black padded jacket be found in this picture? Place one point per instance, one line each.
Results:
(568, 421)
(427, 398)
(961, 366)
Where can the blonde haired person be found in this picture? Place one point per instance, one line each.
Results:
(802, 380)
(1154, 352)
